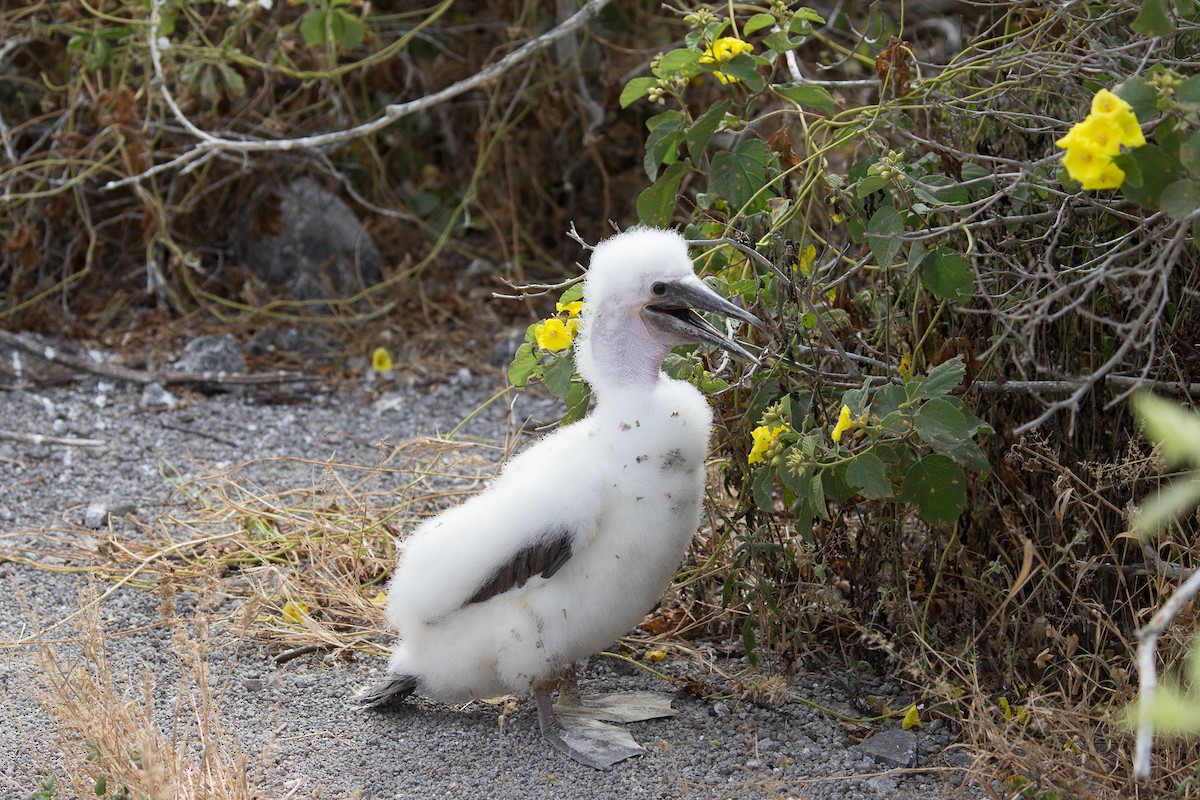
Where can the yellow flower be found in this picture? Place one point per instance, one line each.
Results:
(573, 309)
(912, 718)
(844, 423)
(381, 360)
(656, 655)
(1100, 134)
(380, 598)
(905, 368)
(295, 611)
(722, 51)
(1105, 102)
(1092, 168)
(1092, 143)
(765, 439)
(554, 334)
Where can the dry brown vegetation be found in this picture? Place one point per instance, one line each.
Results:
(1018, 624)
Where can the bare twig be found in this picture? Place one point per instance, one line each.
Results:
(1147, 674)
(210, 145)
(37, 438)
(54, 355)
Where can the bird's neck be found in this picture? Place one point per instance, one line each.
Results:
(619, 354)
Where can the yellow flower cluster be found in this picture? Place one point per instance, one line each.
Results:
(845, 423)
(722, 51)
(1091, 144)
(558, 332)
(767, 446)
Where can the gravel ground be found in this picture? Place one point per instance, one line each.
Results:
(293, 720)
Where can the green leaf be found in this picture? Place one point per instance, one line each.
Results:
(1160, 509)
(744, 68)
(808, 15)
(1154, 19)
(1175, 430)
(1187, 94)
(522, 365)
(347, 29)
(1139, 94)
(942, 379)
(312, 27)
(815, 497)
(1172, 712)
(1180, 198)
(636, 89)
(235, 84)
(1189, 153)
(749, 641)
(969, 456)
(683, 61)
(866, 474)
(941, 425)
(883, 234)
(557, 375)
(572, 293)
(940, 189)
(938, 488)
(579, 397)
(814, 97)
(738, 174)
(763, 488)
(780, 42)
(887, 401)
(869, 185)
(656, 203)
(1185, 8)
(702, 129)
(947, 274)
(1158, 171)
(757, 23)
(662, 145)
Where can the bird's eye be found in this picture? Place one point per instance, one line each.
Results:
(659, 289)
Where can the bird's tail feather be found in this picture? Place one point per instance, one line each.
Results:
(392, 689)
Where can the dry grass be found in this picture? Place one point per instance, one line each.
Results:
(112, 731)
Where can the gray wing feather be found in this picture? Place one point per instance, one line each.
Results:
(544, 558)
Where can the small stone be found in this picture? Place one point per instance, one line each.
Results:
(155, 395)
(892, 748)
(213, 354)
(883, 784)
(99, 511)
(253, 684)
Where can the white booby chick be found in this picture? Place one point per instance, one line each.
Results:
(579, 535)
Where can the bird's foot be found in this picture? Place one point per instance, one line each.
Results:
(616, 707)
(582, 731)
(591, 742)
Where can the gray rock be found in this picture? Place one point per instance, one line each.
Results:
(893, 748)
(307, 239)
(213, 354)
(155, 395)
(100, 510)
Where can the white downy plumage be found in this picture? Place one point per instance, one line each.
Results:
(577, 538)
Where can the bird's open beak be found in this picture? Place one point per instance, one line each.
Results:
(675, 312)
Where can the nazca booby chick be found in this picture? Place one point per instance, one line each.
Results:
(579, 535)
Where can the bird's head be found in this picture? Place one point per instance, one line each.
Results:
(643, 298)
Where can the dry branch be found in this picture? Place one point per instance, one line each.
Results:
(118, 373)
(210, 145)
